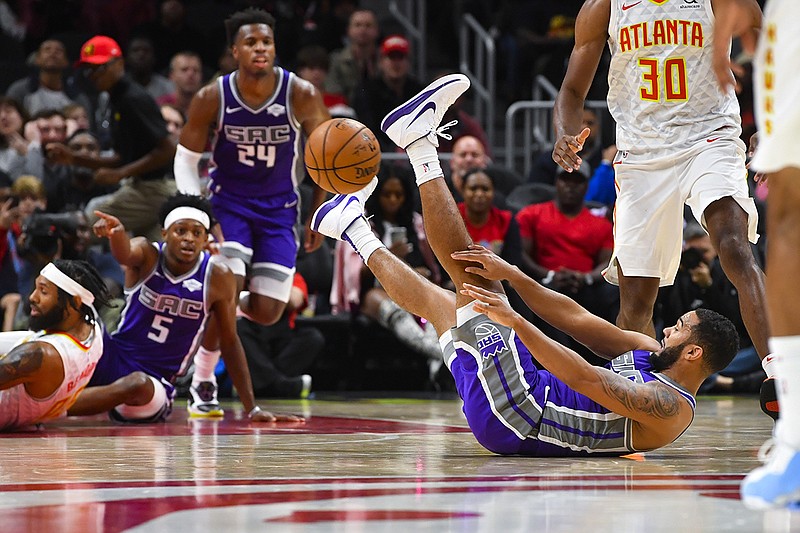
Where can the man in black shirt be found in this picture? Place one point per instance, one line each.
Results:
(143, 149)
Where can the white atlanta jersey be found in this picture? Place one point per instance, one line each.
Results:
(662, 90)
(18, 409)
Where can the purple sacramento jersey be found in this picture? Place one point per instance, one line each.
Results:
(161, 325)
(258, 152)
(257, 164)
(514, 408)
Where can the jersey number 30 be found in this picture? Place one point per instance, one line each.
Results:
(669, 78)
(249, 154)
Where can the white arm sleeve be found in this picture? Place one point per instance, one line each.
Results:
(187, 178)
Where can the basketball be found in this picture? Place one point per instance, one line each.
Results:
(342, 155)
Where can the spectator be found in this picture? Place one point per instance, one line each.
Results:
(79, 188)
(487, 225)
(175, 120)
(13, 146)
(279, 355)
(186, 74)
(312, 66)
(358, 62)
(140, 63)
(701, 282)
(77, 118)
(51, 128)
(468, 153)
(9, 282)
(143, 149)
(51, 87)
(393, 85)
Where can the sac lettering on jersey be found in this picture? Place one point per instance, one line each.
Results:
(258, 134)
(169, 304)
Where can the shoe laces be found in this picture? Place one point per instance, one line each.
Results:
(440, 131)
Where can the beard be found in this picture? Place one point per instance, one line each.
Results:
(47, 320)
(667, 357)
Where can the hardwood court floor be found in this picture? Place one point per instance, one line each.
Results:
(371, 465)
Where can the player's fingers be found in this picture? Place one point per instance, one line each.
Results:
(583, 135)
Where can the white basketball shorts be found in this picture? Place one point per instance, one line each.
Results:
(651, 193)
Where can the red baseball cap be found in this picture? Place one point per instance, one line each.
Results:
(99, 50)
(395, 44)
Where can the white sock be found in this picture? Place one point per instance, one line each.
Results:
(360, 236)
(787, 372)
(424, 160)
(205, 361)
(768, 364)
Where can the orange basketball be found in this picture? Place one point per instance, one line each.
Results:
(342, 155)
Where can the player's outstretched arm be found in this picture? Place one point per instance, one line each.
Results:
(223, 291)
(591, 34)
(202, 114)
(136, 254)
(652, 405)
(560, 311)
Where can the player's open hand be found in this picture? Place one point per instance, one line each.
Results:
(491, 304)
(565, 151)
(492, 266)
(266, 416)
(106, 225)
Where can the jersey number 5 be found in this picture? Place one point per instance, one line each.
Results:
(161, 329)
(249, 154)
(672, 75)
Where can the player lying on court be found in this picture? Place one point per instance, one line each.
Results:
(172, 290)
(42, 371)
(642, 400)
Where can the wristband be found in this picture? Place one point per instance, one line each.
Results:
(254, 411)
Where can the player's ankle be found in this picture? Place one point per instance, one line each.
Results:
(424, 160)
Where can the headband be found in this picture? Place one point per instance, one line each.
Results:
(69, 285)
(184, 212)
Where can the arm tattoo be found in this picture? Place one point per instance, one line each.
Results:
(21, 361)
(653, 400)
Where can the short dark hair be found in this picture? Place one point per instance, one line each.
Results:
(185, 200)
(717, 336)
(474, 170)
(251, 15)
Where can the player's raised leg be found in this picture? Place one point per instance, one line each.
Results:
(342, 218)
(414, 126)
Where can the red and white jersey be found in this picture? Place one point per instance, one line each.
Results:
(662, 91)
(18, 409)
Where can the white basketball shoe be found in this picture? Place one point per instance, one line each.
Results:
(337, 214)
(420, 116)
